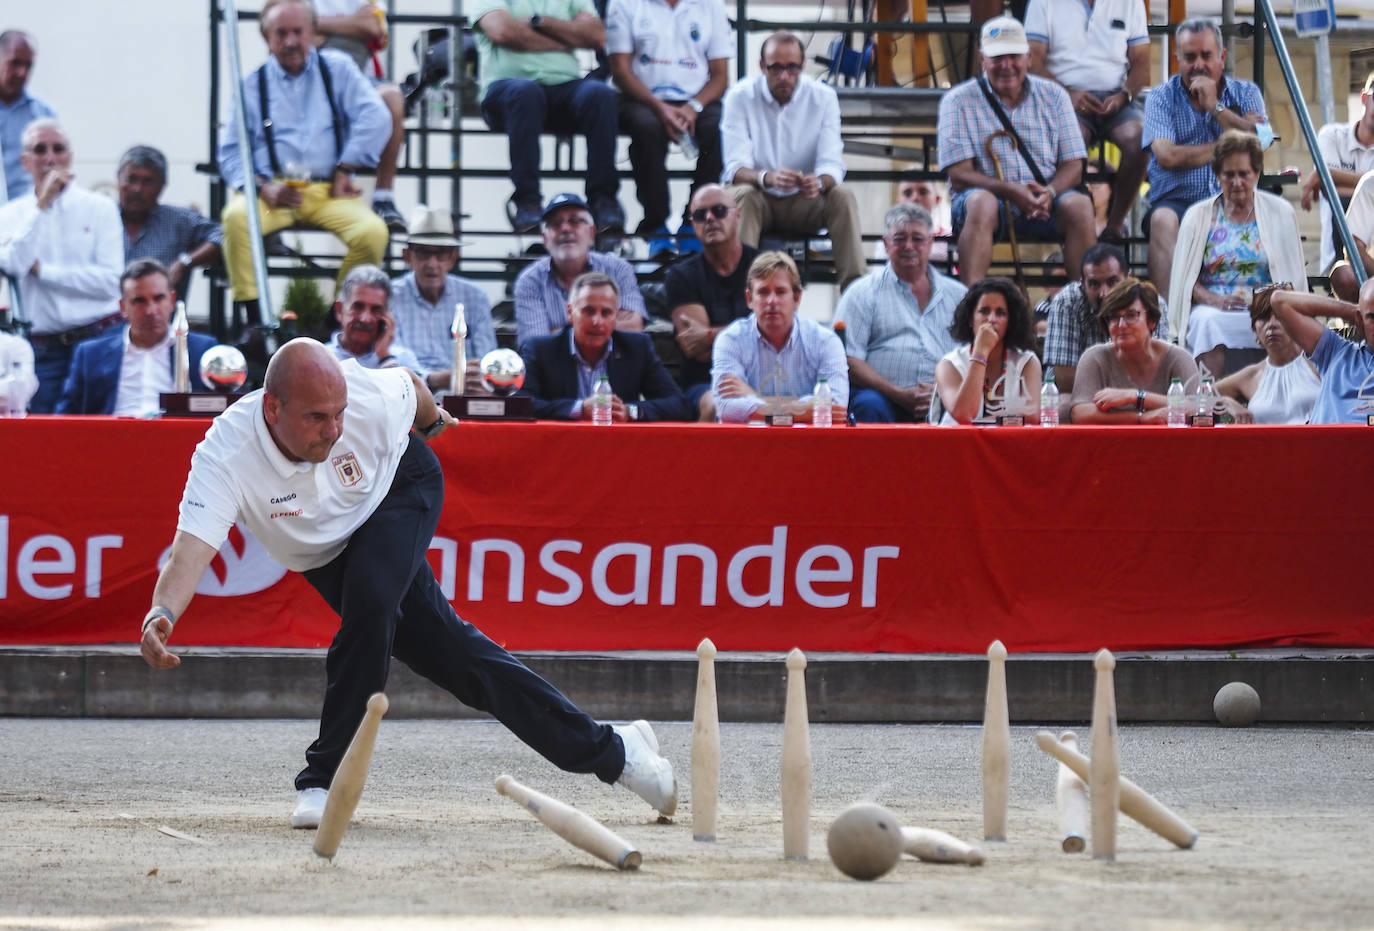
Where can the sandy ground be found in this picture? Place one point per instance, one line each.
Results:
(1283, 813)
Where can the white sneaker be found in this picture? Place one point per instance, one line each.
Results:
(309, 807)
(646, 773)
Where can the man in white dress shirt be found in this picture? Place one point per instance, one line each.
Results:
(780, 134)
(351, 501)
(65, 246)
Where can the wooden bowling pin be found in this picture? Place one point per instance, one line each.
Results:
(1104, 782)
(1071, 795)
(996, 746)
(705, 746)
(796, 762)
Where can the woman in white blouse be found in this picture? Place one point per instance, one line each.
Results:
(1283, 387)
(994, 371)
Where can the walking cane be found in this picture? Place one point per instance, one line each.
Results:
(1006, 209)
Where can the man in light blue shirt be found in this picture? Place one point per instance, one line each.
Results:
(313, 119)
(1346, 368)
(768, 362)
(896, 323)
(17, 108)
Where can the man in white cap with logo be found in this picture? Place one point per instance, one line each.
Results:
(352, 502)
(1045, 207)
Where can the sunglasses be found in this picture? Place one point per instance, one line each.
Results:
(777, 68)
(719, 211)
(41, 148)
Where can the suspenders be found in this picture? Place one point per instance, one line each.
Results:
(267, 114)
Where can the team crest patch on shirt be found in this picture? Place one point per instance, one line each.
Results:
(347, 469)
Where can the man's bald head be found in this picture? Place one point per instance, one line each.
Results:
(304, 396)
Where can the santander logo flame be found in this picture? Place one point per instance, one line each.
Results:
(241, 567)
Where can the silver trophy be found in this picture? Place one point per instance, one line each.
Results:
(181, 374)
(459, 330)
(503, 372)
(223, 368)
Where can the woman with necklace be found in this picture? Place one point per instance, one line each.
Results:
(994, 371)
(1283, 386)
(1228, 246)
(1124, 380)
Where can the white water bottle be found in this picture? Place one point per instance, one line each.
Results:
(820, 404)
(1049, 401)
(1177, 403)
(601, 402)
(687, 144)
(1206, 400)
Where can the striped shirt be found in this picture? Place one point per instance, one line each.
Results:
(886, 327)
(1044, 119)
(541, 304)
(811, 352)
(427, 329)
(1169, 115)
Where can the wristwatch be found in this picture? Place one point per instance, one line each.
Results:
(632, 410)
(536, 22)
(185, 260)
(695, 104)
(433, 429)
(1219, 109)
(1140, 401)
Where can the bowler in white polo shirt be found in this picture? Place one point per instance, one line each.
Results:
(321, 464)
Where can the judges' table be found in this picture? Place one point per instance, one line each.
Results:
(569, 536)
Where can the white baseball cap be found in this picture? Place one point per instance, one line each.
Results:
(1004, 35)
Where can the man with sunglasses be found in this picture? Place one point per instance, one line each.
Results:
(705, 292)
(780, 133)
(65, 247)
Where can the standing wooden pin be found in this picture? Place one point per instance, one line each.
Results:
(705, 746)
(996, 746)
(1071, 794)
(1104, 783)
(347, 785)
(796, 762)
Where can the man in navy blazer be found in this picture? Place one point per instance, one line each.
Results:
(123, 371)
(562, 368)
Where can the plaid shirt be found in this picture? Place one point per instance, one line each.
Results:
(168, 232)
(1170, 115)
(1044, 119)
(1074, 326)
(426, 329)
(885, 327)
(541, 305)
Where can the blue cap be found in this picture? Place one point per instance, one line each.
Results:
(562, 200)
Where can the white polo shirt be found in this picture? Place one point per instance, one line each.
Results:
(1343, 151)
(1087, 45)
(302, 512)
(669, 45)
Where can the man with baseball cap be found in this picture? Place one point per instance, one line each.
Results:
(541, 290)
(351, 501)
(1041, 113)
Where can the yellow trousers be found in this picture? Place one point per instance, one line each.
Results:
(349, 218)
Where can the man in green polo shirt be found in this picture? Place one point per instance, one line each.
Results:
(531, 83)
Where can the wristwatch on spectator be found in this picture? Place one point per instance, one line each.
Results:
(536, 22)
(632, 410)
(1219, 109)
(1140, 401)
(695, 104)
(185, 260)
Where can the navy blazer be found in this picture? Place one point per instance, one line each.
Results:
(93, 380)
(637, 377)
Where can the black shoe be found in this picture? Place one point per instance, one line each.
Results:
(524, 213)
(386, 209)
(609, 216)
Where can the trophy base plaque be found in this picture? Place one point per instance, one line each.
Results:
(196, 404)
(489, 407)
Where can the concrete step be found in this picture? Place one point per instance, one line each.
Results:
(1295, 685)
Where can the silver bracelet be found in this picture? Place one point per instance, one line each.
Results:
(155, 612)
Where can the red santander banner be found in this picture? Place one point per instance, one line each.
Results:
(573, 537)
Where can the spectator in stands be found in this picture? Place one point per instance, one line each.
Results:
(313, 120)
(367, 330)
(768, 362)
(1100, 53)
(981, 181)
(896, 321)
(706, 292)
(1184, 117)
(1348, 151)
(562, 369)
(780, 133)
(1124, 380)
(671, 62)
(1228, 245)
(542, 289)
(424, 299)
(63, 244)
(122, 372)
(925, 194)
(17, 108)
(531, 82)
(358, 29)
(993, 371)
(1074, 324)
(1282, 387)
(18, 384)
(177, 237)
(1346, 368)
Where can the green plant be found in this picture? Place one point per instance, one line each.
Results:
(303, 298)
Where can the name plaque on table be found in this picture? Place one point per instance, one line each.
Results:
(1011, 420)
(196, 404)
(511, 407)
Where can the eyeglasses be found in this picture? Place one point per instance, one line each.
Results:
(777, 69)
(902, 240)
(42, 148)
(1126, 316)
(719, 211)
